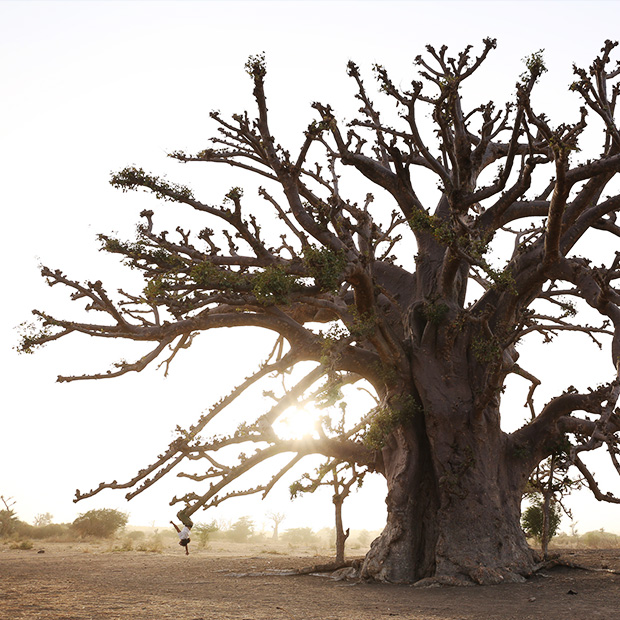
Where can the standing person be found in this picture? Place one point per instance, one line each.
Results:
(184, 533)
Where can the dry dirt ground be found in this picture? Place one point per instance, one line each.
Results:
(83, 582)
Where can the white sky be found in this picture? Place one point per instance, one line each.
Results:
(90, 87)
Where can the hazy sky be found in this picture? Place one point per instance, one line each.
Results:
(90, 87)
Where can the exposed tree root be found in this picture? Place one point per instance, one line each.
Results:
(558, 561)
(330, 567)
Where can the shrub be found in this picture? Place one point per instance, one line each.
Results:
(202, 532)
(300, 536)
(600, 539)
(53, 530)
(152, 544)
(241, 530)
(101, 523)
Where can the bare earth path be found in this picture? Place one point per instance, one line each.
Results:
(67, 583)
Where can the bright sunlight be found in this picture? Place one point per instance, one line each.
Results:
(297, 422)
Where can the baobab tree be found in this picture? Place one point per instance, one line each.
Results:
(277, 518)
(408, 294)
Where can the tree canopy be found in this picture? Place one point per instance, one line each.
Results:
(423, 303)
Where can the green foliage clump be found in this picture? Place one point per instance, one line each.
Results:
(325, 266)
(139, 251)
(532, 520)
(154, 288)
(486, 350)
(132, 178)
(421, 221)
(435, 311)
(101, 523)
(387, 419)
(31, 336)
(209, 276)
(535, 66)
(503, 280)
(272, 286)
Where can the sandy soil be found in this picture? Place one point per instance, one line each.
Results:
(82, 582)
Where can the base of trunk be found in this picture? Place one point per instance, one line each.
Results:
(483, 564)
(460, 528)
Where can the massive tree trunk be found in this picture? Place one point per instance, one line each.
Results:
(455, 484)
(457, 520)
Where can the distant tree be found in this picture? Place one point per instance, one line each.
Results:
(102, 523)
(43, 519)
(8, 519)
(300, 536)
(425, 290)
(276, 518)
(241, 530)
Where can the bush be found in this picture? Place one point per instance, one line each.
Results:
(241, 530)
(599, 539)
(152, 544)
(24, 545)
(300, 536)
(102, 523)
(202, 532)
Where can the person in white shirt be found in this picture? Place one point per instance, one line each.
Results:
(184, 533)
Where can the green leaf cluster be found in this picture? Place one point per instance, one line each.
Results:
(137, 251)
(486, 350)
(272, 286)
(387, 419)
(421, 221)
(503, 280)
(535, 66)
(325, 266)
(209, 276)
(132, 178)
(435, 312)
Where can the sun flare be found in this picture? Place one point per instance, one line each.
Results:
(297, 422)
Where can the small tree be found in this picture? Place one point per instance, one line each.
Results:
(101, 523)
(549, 483)
(542, 524)
(339, 472)
(202, 531)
